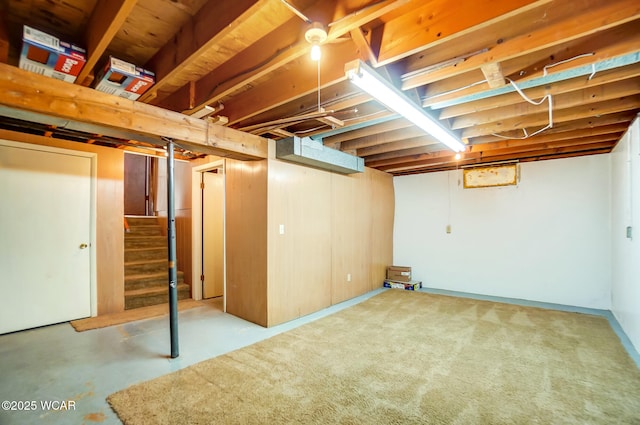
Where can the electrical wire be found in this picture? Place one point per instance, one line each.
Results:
(454, 90)
(548, 97)
(584, 55)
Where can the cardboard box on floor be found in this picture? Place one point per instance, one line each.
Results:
(124, 79)
(47, 55)
(399, 273)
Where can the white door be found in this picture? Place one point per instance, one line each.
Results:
(45, 234)
(213, 234)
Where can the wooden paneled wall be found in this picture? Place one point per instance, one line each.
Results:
(337, 241)
(300, 201)
(109, 214)
(246, 239)
(381, 221)
(295, 233)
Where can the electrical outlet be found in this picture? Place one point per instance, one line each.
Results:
(348, 277)
(448, 228)
(282, 229)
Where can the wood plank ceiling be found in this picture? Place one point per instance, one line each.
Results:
(462, 61)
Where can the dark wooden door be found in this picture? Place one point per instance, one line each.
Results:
(136, 184)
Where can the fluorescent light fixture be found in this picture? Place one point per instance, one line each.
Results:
(384, 92)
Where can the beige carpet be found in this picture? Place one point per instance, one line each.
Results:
(406, 357)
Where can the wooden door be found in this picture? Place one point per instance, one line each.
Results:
(45, 235)
(136, 184)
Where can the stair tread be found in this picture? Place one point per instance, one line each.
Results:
(138, 262)
(146, 264)
(152, 291)
(145, 248)
(148, 275)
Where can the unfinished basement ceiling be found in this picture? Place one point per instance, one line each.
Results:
(250, 60)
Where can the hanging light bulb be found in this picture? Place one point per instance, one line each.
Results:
(315, 34)
(316, 53)
(458, 156)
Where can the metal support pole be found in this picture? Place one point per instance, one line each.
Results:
(171, 240)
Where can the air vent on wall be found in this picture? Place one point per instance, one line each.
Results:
(304, 150)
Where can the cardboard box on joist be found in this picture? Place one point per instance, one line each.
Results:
(47, 55)
(124, 79)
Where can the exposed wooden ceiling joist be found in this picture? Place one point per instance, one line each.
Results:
(598, 17)
(251, 57)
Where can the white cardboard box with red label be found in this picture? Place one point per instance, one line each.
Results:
(47, 55)
(124, 79)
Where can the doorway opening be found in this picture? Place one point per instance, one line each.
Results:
(138, 184)
(208, 223)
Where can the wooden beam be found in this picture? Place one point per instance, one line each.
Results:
(493, 73)
(438, 22)
(229, 73)
(579, 83)
(365, 52)
(448, 166)
(106, 19)
(598, 15)
(217, 23)
(240, 71)
(299, 80)
(26, 91)
(406, 151)
(381, 138)
(542, 119)
(384, 127)
(400, 146)
(349, 101)
(569, 100)
(539, 142)
(622, 48)
(524, 151)
(597, 124)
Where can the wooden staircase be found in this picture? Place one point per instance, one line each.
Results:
(145, 265)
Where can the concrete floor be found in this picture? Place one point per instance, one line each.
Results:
(56, 363)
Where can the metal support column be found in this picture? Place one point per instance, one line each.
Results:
(171, 240)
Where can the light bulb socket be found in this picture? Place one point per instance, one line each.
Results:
(316, 33)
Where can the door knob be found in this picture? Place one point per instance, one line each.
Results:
(83, 245)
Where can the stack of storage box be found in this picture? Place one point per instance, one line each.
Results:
(400, 277)
(47, 55)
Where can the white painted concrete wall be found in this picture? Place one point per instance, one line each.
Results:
(625, 195)
(547, 239)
